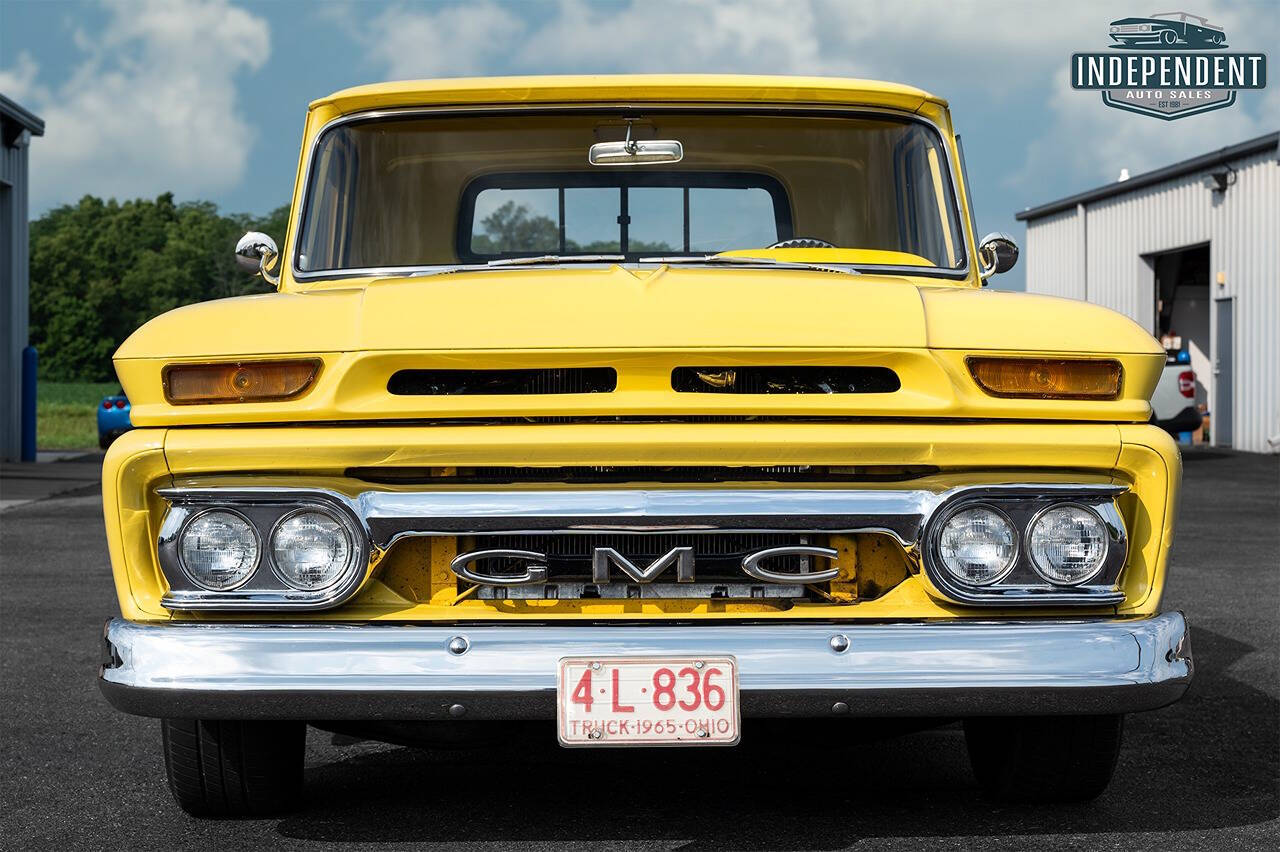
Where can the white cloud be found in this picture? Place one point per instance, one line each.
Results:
(1094, 142)
(448, 41)
(19, 82)
(410, 41)
(151, 106)
(746, 36)
(1018, 51)
(1023, 49)
(930, 41)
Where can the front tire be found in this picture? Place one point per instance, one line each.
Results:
(1044, 759)
(232, 769)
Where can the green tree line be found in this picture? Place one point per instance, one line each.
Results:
(512, 228)
(100, 269)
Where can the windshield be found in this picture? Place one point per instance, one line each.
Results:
(423, 191)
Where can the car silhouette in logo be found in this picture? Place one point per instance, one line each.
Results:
(1167, 29)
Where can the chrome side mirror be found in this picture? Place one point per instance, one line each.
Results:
(256, 252)
(997, 253)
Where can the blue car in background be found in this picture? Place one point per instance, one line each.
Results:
(113, 419)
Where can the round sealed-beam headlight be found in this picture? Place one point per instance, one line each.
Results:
(311, 549)
(978, 546)
(1068, 544)
(218, 550)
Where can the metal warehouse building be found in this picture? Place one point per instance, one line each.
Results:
(17, 126)
(1191, 250)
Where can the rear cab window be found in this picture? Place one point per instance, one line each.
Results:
(693, 213)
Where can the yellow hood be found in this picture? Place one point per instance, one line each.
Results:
(644, 323)
(620, 309)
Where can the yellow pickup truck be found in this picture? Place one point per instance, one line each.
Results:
(646, 406)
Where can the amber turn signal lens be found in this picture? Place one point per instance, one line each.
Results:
(1048, 378)
(248, 381)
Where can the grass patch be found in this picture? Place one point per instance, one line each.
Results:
(67, 414)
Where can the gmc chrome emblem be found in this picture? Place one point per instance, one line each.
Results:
(604, 559)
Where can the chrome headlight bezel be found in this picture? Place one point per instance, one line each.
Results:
(263, 509)
(1023, 584)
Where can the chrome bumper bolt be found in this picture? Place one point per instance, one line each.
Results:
(839, 643)
(457, 711)
(458, 645)
(839, 708)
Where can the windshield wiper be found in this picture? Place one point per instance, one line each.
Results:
(519, 261)
(710, 259)
(555, 258)
(739, 260)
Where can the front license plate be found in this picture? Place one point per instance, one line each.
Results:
(617, 701)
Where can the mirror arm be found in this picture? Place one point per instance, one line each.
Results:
(272, 278)
(996, 253)
(256, 252)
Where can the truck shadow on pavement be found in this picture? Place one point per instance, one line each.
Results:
(1208, 762)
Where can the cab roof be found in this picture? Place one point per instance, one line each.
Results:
(629, 87)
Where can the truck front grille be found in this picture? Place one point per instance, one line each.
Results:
(717, 561)
(567, 380)
(718, 555)
(784, 379)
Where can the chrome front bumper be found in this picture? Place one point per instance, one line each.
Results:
(954, 668)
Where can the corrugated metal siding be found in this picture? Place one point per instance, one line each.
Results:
(1241, 228)
(13, 296)
(1246, 246)
(1054, 255)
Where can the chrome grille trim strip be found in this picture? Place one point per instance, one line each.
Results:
(390, 515)
(902, 514)
(897, 513)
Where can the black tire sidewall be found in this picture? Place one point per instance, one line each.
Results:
(1044, 759)
(234, 768)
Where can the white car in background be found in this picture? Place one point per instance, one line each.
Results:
(1173, 405)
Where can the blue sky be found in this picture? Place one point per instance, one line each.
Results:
(206, 97)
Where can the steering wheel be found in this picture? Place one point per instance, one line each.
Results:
(802, 242)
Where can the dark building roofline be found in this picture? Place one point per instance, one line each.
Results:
(19, 118)
(1120, 187)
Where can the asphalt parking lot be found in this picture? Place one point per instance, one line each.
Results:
(1204, 773)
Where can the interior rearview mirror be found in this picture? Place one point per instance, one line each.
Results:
(635, 152)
